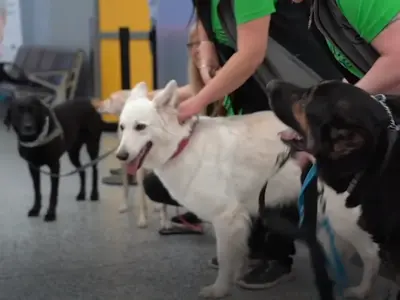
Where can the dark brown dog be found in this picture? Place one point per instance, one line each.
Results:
(45, 134)
(355, 142)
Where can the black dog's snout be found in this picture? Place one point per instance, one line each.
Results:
(122, 155)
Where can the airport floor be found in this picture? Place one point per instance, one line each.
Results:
(94, 252)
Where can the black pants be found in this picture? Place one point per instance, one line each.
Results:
(153, 49)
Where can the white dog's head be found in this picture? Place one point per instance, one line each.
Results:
(149, 131)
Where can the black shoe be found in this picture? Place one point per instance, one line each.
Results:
(117, 180)
(117, 171)
(254, 261)
(267, 274)
(188, 217)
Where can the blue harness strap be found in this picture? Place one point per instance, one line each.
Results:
(335, 263)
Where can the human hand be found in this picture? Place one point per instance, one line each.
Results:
(189, 108)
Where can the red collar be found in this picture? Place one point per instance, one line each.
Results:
(183, 143)
(181, 146)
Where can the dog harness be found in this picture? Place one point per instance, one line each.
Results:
(45, 137)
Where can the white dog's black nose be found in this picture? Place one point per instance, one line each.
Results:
(122, 155)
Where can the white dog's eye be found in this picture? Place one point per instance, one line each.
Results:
(121, 127)
(140, 126)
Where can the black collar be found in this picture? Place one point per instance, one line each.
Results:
(392, 134)
(392, 137)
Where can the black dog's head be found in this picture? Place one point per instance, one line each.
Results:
(340, 124)
(27, 116)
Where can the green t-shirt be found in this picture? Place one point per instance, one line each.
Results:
(245, 11)
(368, 18)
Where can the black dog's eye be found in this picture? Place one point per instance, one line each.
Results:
(140, 126)
(121, 127)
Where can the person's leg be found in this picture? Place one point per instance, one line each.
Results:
(278, 251)
(156, 192)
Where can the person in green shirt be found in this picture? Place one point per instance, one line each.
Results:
(378, 23)
(375, 21)
(233, 64)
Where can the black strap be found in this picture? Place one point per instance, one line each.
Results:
(331, 22)
(281, 161)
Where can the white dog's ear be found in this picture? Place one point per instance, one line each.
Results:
(139, 91)
(167, 96)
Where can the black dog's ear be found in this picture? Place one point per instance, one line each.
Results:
(7, 118)
(345, 141)
(332, 130)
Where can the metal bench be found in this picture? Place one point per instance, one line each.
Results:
(49, 72)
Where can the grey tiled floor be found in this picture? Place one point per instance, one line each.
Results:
(93, 252)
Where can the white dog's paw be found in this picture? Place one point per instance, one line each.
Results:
(357, 292)
(214, 291)
(142, 222)
(124, 208)
(158, 207)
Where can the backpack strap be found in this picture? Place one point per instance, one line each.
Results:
(278, 63)
(334, 26)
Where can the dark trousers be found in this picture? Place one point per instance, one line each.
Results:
(153, 49)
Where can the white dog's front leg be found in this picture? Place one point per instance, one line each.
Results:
(232, 233)
(141, 194)
(124, 207)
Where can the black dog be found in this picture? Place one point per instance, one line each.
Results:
(44, 134)
(357, 147)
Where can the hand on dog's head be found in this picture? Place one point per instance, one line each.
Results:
(340, 123)
(27, 116)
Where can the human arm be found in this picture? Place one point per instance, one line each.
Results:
(252, 19)
(384, 76)
(207, 62)
(115, 103)
(378, 23)
(252, 46)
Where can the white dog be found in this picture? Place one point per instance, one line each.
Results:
(114, 105)
(219, 173)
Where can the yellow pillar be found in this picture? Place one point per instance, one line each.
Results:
(135, 15)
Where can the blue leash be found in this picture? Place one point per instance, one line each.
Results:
(335, 262)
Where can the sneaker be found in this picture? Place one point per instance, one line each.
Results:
(117, 180)
(188, 217)
(267, 274)
(213, 263)
(116, 171)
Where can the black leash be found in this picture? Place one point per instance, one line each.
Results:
(77, 170)
(281, 160)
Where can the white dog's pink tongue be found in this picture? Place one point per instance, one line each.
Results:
(133, 166)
